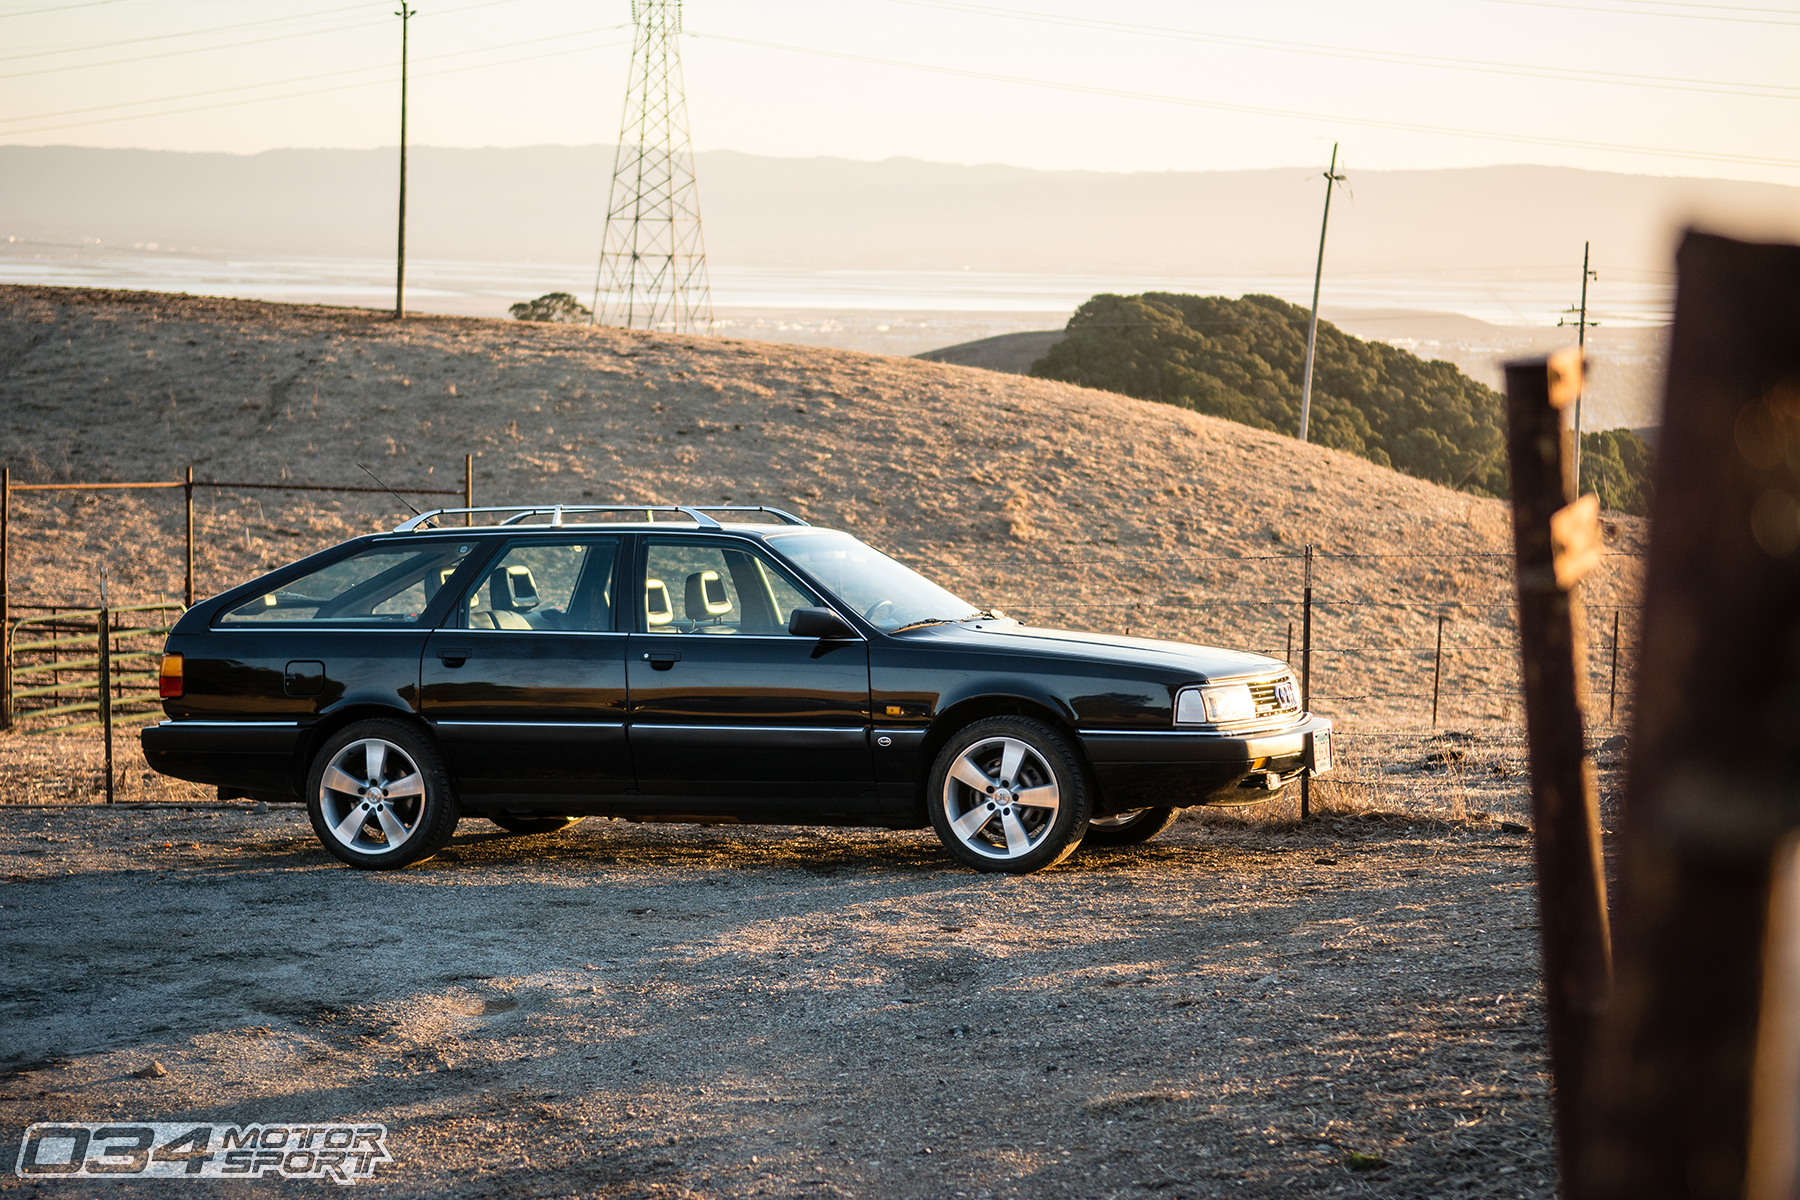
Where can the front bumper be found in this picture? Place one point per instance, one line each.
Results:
(1182, 767)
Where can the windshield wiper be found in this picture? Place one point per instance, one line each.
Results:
(927, 621)
(991, 614)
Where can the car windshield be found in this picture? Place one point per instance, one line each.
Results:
(886, 594)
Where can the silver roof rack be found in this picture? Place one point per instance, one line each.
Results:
(518, 514)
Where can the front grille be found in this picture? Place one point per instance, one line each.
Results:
(1275, 696)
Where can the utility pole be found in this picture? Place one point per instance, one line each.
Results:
(1581, 324)
(652, 271)
(405, 14)
(1312, 329)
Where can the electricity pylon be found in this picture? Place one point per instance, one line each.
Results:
(652, 272)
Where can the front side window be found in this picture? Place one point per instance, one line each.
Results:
(535, 585)
(888, 594)
(707, 588)
(382, 585)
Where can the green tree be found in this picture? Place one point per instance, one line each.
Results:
(552, 306)
(1615, 466)
(1244, 360)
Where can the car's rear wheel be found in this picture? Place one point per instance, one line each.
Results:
(379, 796)
(523, 823)
(1009, 794)
(1128, 829)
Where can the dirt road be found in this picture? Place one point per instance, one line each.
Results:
(628, 1011)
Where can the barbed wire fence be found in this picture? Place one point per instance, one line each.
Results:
(1415, 657)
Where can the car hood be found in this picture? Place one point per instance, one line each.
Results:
(1185, 658)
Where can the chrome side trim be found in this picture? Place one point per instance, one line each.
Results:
(528, 724)
(193, 724)
(753, 728)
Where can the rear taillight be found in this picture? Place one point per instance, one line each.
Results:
(168, 680)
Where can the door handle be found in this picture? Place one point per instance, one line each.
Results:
(662, 660)
(454, 656)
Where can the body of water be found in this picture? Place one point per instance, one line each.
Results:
(1524, 298)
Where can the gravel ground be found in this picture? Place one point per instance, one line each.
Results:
(629, 1011)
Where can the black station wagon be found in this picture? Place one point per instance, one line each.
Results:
(655, 664)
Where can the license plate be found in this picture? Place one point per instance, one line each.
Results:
(1321, 755)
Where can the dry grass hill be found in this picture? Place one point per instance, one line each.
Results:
(1059, 504)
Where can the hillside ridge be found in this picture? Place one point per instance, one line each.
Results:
(1061, 504)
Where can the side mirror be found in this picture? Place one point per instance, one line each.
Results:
(818, 623)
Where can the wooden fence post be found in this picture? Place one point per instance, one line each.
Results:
(188, 488)
(103, 627)
(1699, 1066)
(6, 687)
(1437, 671)
(1306, 675)
(1556, 540)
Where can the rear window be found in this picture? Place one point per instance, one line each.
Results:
(382, 585)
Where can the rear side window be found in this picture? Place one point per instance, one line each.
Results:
(382, 585)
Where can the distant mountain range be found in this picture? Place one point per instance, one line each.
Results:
(547, 203)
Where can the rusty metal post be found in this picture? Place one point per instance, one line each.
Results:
(1697, 1075)
(468, 487)
(188, 488)
(1556, 540)
(6, 686)
(1290, 645)
(1437, 671)
(103, 627)
(1306, 675)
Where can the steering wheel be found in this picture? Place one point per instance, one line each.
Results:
(877, 610)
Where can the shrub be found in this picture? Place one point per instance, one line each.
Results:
(1244, 360)
(552, 306)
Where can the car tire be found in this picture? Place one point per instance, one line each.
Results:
(526, 823)
(390, 775)
(1130, 829)
(981, 814)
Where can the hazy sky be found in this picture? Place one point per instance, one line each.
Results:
(1130, 85)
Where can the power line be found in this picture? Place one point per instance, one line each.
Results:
(72, 112)
(1772, 91)
(137, 58)
(281, 37)
(1258, 110)
(311, 91)
(163, 37)
(32, 12)
(1628, 12)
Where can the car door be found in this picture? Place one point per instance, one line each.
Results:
(525, 681)
(731, 714)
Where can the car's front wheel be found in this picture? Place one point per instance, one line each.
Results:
(523, 823)
(1009, 794)
(379, 796)
(1128, 829)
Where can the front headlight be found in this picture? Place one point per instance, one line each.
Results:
(1214, 704)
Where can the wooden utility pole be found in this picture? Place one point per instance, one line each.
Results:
(405, 14)
(1698, 1074)
(1581, 324)
(1332, 179)
(1556, 541)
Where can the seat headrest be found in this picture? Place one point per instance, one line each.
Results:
(706, 596)
(656, 602)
